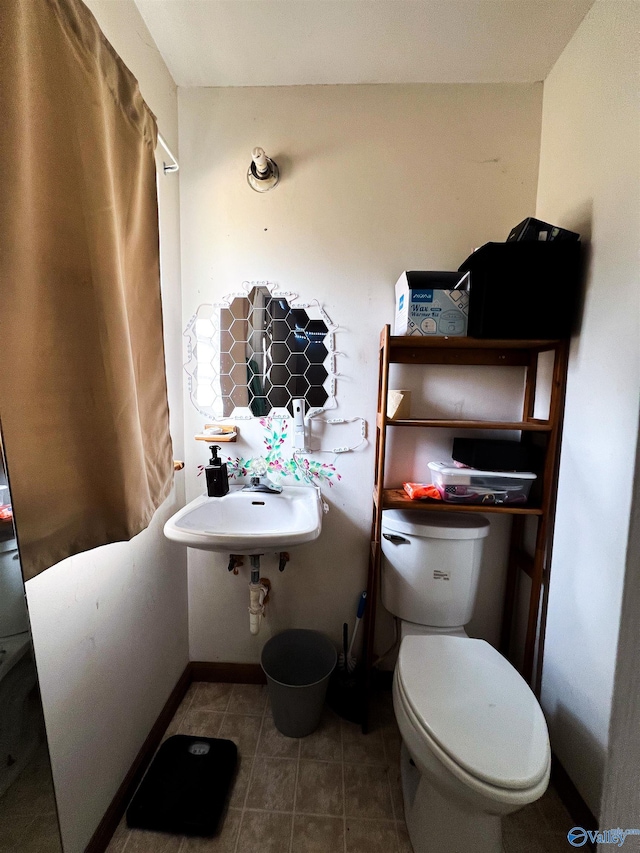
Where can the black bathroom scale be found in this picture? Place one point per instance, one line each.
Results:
(186, 787)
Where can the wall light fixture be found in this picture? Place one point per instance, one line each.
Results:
(263, 173)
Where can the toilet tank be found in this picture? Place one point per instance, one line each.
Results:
(430, 565)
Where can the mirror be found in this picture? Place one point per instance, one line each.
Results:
(28, 817)
(257, 352)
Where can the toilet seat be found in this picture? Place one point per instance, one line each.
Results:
(475, 712)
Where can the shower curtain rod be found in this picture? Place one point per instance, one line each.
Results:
(170, 167)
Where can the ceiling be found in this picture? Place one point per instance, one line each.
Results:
(299, 42)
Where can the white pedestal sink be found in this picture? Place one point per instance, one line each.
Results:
(246, 522)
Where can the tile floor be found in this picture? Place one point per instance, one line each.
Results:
(28, 821)
(336, 791)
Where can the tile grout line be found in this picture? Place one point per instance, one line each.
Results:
(235, 846)
(179, 720)
(246, 796)
(222, 716)
(127, 840)
(187, 709)
(249, 780)
(228, 701)
(338, 817)
(295, 797)
(389, 771)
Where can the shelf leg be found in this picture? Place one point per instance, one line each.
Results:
(511, 587)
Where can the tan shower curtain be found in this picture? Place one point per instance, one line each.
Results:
(83, 399)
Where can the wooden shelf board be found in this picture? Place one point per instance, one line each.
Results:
(425, 342)
(524, 426)
(465, 351)
(398, 499)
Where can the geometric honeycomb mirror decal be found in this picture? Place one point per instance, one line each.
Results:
(251, 355)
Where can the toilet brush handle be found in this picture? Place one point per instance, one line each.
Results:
(361, 606)
(353, 638)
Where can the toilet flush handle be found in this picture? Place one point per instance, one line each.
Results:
(397, 540)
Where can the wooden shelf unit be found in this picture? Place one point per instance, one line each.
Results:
(473, 352)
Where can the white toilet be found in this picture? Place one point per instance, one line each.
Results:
(475, 741)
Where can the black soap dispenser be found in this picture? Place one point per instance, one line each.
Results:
(216, 474)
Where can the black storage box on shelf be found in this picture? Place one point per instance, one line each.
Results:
(524, 290)
(535, 229)
(494, 454)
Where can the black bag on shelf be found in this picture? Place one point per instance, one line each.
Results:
(493, 454)
(524, 290)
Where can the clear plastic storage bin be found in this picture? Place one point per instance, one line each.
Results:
(472, 486)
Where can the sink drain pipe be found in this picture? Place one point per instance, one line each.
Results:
(258, 594)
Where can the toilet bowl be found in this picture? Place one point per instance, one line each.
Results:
(475, 743)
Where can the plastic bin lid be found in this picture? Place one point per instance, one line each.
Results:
(450, 470)
(435, 525)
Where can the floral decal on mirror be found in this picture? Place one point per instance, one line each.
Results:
(274, 463)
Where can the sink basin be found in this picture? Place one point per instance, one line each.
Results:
(248, 523)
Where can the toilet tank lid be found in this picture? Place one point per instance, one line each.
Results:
(477, 708)
(435, 525)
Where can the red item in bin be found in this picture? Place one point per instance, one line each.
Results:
(6, 513)
(421, 491)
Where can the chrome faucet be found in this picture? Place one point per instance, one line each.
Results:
(257, 486)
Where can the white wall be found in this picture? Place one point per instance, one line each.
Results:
(621, 794)
(375, 180)
(590, 182)
(110, 626)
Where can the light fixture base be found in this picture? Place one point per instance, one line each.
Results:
(263, 181)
